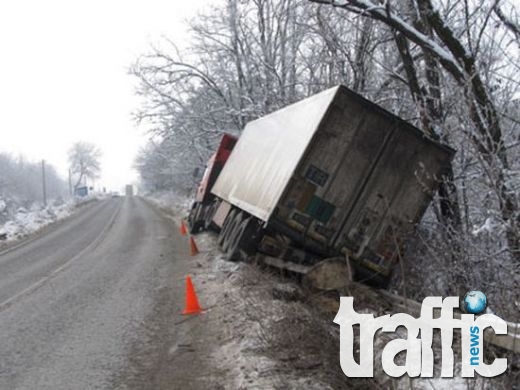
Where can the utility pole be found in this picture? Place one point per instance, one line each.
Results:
(43, 184)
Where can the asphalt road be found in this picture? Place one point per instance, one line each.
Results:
(76, 300)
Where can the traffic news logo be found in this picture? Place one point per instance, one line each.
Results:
(419, 352)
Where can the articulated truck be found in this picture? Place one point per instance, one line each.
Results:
(333, 175)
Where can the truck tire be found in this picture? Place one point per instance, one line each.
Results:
(225, 226)
(201, 216)
(234, 240)
(208, 217)
(194, 222)
(233, 226)
(243, 241)
(192, 216)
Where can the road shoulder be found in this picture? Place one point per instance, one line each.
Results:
(247, 336)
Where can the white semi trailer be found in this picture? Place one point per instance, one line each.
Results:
(332, 175)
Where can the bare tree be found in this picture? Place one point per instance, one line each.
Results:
(447, 67)
(461, 61)
(84, 161)
(246, 59)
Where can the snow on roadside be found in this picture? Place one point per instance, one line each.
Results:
(175, 203)
(260, 337)
(262, 346)
(277, 342)
(28, 221)
(489, 226)
(246, 322)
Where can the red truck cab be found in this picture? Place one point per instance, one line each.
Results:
(202, 210)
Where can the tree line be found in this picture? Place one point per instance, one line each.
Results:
(21, 184)
(21, 181)
(449, 67)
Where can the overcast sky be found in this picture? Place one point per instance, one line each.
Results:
(63, 76)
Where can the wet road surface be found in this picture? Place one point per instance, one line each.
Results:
(77, 299)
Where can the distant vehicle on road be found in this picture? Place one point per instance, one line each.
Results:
(333, 175)
(129, 190)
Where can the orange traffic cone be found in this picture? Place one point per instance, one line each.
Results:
(183, 228)
(193, 247)
(192, 302)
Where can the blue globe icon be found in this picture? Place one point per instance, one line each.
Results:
(475, 302)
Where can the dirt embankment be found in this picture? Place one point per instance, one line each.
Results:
(260, 330)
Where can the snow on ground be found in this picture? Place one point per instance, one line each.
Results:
(269, 342)
(487, 227)
(266, 331)
(25, 221)
(177, 204)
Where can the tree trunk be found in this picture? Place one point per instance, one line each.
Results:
(461, 64)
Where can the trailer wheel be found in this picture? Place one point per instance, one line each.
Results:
(233, 226)
(243, 241)
(225, 227)
(194, 222)
(201, 216)
(192, 216)
(234, 240)
(210, 213)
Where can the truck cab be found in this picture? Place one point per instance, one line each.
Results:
(202, 207)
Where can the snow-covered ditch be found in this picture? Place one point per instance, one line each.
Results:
(265, 331)
(279, 335)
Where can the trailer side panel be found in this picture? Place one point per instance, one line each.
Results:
(267, 154)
